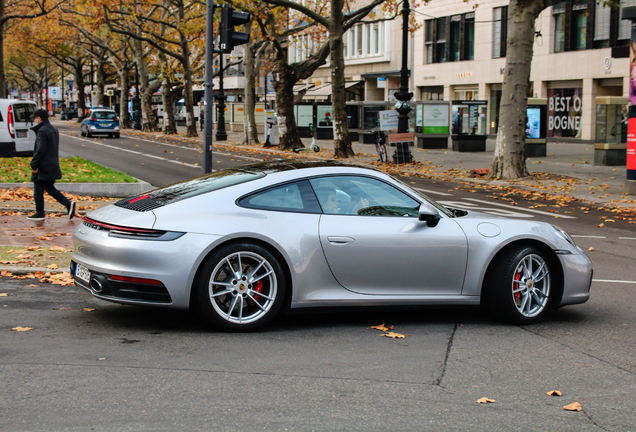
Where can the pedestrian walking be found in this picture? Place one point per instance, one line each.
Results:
(45, 166)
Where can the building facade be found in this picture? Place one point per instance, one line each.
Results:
(581, 51)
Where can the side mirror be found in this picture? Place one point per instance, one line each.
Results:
(428, 214)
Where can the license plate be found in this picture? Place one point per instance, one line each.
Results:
(21, 134)
(105, 124)
(82, 273)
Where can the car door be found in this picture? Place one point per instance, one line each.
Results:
(24, 136)
(375, 244)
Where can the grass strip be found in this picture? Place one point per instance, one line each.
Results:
(74, 170)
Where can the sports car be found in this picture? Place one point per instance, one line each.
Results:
(241, 245)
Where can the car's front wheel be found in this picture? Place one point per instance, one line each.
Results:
(240, 287)
(518, 286)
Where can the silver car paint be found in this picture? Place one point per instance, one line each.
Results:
(296, 237)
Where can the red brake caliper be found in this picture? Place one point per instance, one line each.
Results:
(258, 287)
(517, 278)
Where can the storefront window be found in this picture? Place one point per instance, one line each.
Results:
(564, 112)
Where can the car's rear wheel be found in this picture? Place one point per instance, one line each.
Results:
(82, 133)
(240, 287)
(116, 135)
(88, 134)
(518, 286)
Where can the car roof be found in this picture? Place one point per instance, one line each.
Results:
(271, 167)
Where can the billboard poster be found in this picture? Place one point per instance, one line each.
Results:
(533, 126)
(388, 120)
(435, 119)
(325, 119)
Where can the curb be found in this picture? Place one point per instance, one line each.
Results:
(107, 190)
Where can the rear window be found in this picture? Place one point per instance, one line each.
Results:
(187, 189)
(104, 115)
(23, 112)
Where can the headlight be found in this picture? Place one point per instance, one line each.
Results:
(564, 234)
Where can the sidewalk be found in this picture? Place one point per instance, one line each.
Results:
(567, 169)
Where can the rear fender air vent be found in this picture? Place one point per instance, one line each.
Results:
(141, 204)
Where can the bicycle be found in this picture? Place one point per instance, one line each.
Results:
(380, 147)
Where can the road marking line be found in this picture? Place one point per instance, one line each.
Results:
(433, 192)
(627, 238)
(136, 152)
(517, 208)
(614, 281)
(587, 236)
(193, 149)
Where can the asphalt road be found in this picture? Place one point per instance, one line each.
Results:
(140, 369)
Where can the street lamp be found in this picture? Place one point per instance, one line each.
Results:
(402, 152)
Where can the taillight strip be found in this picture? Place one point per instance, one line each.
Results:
(122, 228)
(135, 280)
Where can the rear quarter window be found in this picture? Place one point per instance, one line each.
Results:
(291, 197)
(23, 112)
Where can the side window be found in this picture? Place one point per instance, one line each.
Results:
(291, 197)
(362, 196)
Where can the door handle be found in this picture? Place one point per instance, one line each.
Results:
(340, 240)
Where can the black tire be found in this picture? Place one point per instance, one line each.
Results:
(316, 149)
(82, 133)
(296, 149)
(240, 304)
(518, 288)
(88, 134)
(116, 135)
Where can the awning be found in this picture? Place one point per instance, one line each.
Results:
(326, 89)
(301, 87)
(384, 74)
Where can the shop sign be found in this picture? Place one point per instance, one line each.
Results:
(564, 112)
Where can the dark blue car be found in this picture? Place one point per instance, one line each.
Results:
(101, 122)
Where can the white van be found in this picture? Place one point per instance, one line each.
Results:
(16, 136)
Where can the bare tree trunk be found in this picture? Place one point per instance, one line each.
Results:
(169, 125)
(288, 136)
(188, 96)
(250, 135)
(342, 140)
(510, 160)
(78, 71)
(101, 81)
(124, 115)
(148, 121)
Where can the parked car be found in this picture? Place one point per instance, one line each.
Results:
(16, 136)
(238, 245)
(100, 121)
(69, 115)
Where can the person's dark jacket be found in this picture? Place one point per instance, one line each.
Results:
(46, 153)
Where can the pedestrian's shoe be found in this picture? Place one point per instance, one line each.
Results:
(36, 217)
(71, 210)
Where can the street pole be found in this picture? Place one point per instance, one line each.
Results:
(221, 134)
(209, 83)
(46, 78)
(402, 152)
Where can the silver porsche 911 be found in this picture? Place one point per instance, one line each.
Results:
(241, 244)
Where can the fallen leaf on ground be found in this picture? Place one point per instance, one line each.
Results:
(52, 266)
(3, 294)
(6, 273)
(485, 400)
(381, 327)
(64, 308)
(21, 329)
(555, 393)
(601, 225)
(89, 309)
(394, 335)
(590, 249)
(573, 407)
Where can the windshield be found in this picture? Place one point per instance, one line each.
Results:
(104, 115)
(432, 202)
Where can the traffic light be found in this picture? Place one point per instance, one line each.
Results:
(230, 19)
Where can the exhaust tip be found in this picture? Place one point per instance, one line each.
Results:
(96, 285)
